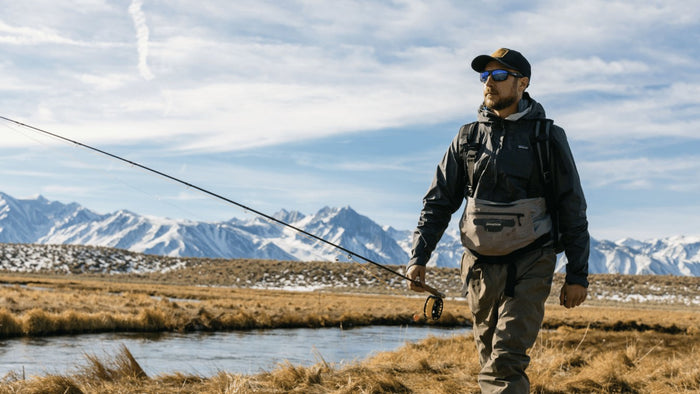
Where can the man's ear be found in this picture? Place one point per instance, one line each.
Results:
(523, 83)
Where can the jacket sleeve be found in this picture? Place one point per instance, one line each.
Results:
(573, 224)
(443, 198)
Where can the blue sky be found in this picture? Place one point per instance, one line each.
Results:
(305, 104)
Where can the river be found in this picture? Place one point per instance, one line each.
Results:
(205, 354)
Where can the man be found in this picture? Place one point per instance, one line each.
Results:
(509, 222)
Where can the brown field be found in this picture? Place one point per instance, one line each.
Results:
(615, 343)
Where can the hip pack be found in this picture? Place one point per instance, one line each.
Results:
(544, 146)
(498, 229)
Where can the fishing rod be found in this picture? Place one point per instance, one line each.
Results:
(433, 305)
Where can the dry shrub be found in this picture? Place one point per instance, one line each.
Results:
(288, 376)
(127, 366)
(371, 380)
(645, 362)
(608, 372)
(151, 319)
(227, 383)
(75, 322)
(96, 370)
(108, 321)
(9, 325)
(38, 322)
(52, 384)
(239, 321)
(179, 379)
(673, 375)
(122, 367)
(72, 322)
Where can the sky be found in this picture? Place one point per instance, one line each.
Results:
(299, 105)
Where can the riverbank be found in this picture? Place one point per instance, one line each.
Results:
(42, 304)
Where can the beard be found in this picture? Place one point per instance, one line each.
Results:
(499, 104)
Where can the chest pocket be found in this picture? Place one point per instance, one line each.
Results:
(517, 158)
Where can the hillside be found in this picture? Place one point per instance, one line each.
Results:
(308, 276)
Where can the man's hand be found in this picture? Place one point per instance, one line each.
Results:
(572, 295)
(416, 272)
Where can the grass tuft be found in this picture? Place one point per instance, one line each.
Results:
(9, 324)
(127, 366)
(53, 384)
(38, 322)
(123, 366)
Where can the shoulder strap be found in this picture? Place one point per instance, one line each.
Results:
(471, 148)
(543, 145)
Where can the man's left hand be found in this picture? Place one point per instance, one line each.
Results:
(572, 295)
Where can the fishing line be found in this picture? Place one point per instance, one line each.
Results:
(107, 171)
(436, 298)
(316, 244)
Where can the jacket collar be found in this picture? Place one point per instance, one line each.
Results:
(528, 108)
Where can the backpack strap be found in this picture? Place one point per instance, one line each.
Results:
(470, 150)
(543, 145)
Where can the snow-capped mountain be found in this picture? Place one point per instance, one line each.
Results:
(41, 221)
(679, 255)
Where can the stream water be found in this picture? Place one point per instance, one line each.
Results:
(206, 354)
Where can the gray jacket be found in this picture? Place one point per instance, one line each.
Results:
(506, 170)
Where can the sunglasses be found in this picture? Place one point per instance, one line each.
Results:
(498, 75)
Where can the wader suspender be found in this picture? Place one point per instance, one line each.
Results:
(472, 150)
(544, 159)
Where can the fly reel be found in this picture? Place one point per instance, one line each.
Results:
(433, 307)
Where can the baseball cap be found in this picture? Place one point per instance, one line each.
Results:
(507, 57)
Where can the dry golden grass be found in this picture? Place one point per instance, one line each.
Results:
(605, 346)
(51, 306)
(36, 306)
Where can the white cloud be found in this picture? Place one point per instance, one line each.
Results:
(636, 114)
(323, 72)
(106, 82)
(142, 34)
(675, 173)
(32, 36)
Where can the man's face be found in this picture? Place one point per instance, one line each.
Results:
(503, 94)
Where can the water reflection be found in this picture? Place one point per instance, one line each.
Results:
(208, 353)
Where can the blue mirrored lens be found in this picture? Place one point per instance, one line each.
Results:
(497, 75)
(484, 76)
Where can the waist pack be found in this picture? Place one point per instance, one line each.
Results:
(498, 229)
(544, 147)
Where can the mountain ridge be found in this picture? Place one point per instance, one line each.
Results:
(40, 221)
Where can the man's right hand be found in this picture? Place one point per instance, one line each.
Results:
(572, 295)
(416, 272)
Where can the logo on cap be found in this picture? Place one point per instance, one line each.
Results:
(500, 53)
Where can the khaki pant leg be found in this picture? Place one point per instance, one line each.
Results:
(506, 327)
